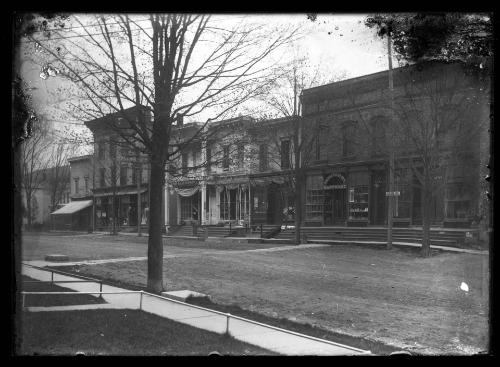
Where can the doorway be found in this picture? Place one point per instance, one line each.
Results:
(378, 198)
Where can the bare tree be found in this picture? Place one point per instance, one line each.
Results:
(179, 64)
(58, 175)
(33, 167)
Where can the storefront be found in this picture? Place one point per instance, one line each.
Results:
(188, 197)
(75, 215)
(228, 200)
(125, 208)
(272, 200)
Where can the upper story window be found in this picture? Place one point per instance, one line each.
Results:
(184, 158)
(102, 177)
(285, 154)
(225, 157)
(263, 158)
(101, 148)
(134, 174)
(112, 149)
(77, 189)
(123, 175)
(241, 155)
(86, 184)
(348, 138)
(113, 175)
(125, 151)
(209, 159)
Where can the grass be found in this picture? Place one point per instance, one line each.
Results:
(304, 328)
(307, 329)
(393, 297)
(121, 332)
(42, 300)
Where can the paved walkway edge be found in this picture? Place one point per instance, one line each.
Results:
(408, 244)
(265, 336)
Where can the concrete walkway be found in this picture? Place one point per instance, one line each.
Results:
(273, 339)
(407, 244)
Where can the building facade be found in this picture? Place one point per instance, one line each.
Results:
(120, 175)
(336, 156)
(434, 124)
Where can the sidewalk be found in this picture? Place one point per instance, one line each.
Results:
(407, 244)
(317, 242)
(267, 337)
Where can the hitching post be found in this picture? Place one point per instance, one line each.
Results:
(228, 315)
(140, 302)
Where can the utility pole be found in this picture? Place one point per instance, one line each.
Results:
(138, 181)
(390, 196)
(297, 162)
(93, 190)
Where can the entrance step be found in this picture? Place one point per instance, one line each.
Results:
(183, 295)
(57, 258)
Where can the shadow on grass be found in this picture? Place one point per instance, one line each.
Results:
(375, 347)
(121, 332)
(47, 300)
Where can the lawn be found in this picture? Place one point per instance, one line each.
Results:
(393, 297)
(43, 300)
(104, 246)
(120, 332)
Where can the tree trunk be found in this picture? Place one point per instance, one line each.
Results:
(113, 208)
(426, 223)
(298, 208)
(29, 211)
(155, 241)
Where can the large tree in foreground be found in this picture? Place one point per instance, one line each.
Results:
(169, 65)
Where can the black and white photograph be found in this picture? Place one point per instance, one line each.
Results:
(252, 184)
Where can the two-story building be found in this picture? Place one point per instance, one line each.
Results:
(439, 115)
(120, 173)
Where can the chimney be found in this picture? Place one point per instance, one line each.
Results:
(180, 120)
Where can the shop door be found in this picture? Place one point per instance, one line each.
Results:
(271, 206)
(378, 198)
(335, 201)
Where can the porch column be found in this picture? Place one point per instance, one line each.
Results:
(216, 213)
(203, 202)
(250, 205)
(178, 198)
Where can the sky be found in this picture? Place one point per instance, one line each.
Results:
(337, 43)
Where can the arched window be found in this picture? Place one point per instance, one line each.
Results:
(348, 138)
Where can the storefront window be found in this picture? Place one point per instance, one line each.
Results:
(457, 203)
(458, 192)
(403, 201)
(314, 198)
(228, 204)
(358, 195)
